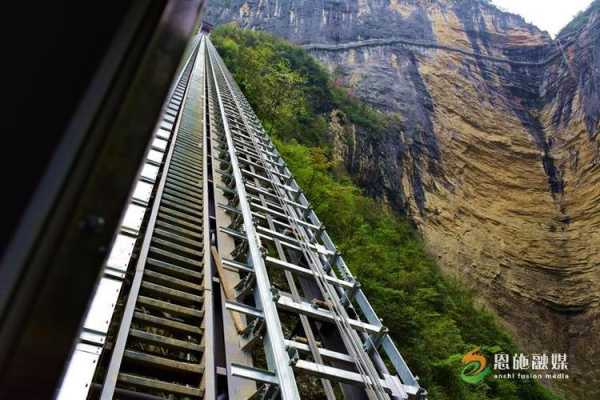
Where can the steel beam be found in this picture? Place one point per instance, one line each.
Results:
(285, 375)
(254, 374)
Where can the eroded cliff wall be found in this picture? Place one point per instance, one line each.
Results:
(498, 155)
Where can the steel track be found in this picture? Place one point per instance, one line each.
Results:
(226, 284)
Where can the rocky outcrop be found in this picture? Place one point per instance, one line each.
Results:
(496, 155)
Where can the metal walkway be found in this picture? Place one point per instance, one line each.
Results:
(222, 282)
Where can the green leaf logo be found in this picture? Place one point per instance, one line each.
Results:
(475, 369)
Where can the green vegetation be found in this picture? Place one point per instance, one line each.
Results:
(433, 319)
(289, 91)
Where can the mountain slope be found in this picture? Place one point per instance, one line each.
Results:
(492, 147)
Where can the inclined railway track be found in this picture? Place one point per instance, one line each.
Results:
(159, 346)
(155, 348)
(276, 229)
(228, 285)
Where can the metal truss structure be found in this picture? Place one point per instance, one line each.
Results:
(223, 282)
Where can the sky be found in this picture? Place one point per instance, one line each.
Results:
(548, 15)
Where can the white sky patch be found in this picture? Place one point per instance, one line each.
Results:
(548, 15)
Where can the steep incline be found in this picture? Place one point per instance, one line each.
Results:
(498, 157)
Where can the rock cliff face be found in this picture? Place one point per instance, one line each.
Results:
(498, 156)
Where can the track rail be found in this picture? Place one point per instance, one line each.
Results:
(302, 302)
(223, 282)
(153, 279)
(159, 344)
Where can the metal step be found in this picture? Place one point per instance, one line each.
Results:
(176, 257)
(179, 207)
(176, 213)
(176, 198)
(193, 144)
(176, 168)
(184, 165)
(167, 323)
(183, 194)
(183, 154)
(168, 280)
(174, 270)
(176, 183)
(163, 362)
(179, 238)
(188, 225)
(193, 184)
(170, 307)
(178, 247)
(158, 385)
(184, 151)
(165, 292)
(166, 341)
(181, 175)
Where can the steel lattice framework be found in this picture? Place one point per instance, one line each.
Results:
(223, 282)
